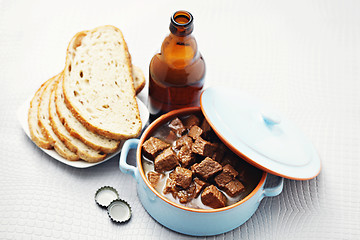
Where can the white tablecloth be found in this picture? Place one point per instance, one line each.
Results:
(302, 57)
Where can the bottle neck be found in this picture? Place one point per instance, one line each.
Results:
(181, 23)
(179, 48)
(179, 52)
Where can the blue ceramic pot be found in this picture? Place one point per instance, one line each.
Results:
(197, 222)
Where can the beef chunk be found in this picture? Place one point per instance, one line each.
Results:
(191, 121)
(230, 170)
(184, 196)
(193, 191)
(195, 132)
(242, 175)
(186, 156)
(248, 172)
(203, 147)
(184, 140)
(207, 168)
(235, 161)
(199, 186)
(234, 188)
(212, 197)
(192, 168)
(205, 126)
(166, 161)
(153, 146)
(170, 187)
(153, 178)
(171, 137)
(220, 152)
(182, 177)
(207, 131)
(228, 174)
(177, 126)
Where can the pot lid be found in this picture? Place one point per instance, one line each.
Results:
(259, 135)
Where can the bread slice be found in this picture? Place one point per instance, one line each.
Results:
(76, 129)
(79, 131)
(44, 122)
(43, 111)
(82, 150)
(139, 79)
(98, 85)
(35, 131)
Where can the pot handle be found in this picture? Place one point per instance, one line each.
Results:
(273, 191)
(124, 166)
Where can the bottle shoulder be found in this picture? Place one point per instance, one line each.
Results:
(179, 52)
(163, 72)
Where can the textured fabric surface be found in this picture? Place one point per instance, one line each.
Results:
(302, 57)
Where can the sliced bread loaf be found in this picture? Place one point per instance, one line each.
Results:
(98, 86)
(82, 150)
(44, 122)
(35, 131)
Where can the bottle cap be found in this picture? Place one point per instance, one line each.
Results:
(119, 211)
(105, 195)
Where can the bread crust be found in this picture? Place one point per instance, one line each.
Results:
(41, 141)
(75, 111)
(138, 90)
(46, 131)
(66, 154)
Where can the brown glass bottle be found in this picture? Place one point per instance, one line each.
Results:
(176, 74)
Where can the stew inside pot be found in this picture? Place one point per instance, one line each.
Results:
(187, 163)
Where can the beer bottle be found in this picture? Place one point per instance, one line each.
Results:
(176, 74)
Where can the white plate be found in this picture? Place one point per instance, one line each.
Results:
(22, 115)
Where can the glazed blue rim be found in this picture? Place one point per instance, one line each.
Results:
(158, 122)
